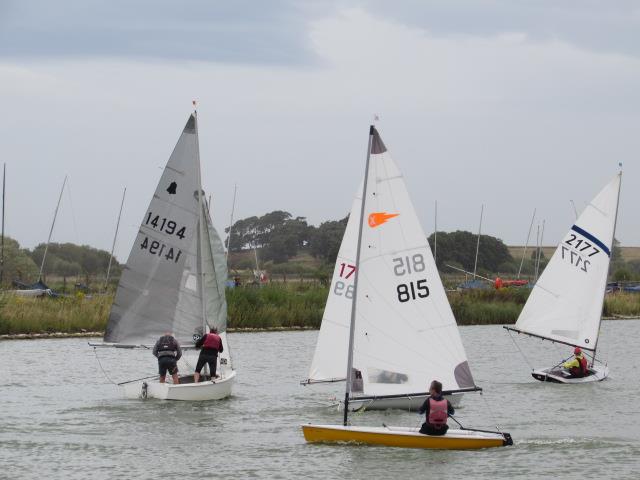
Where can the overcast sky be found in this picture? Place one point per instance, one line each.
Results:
(512, 104)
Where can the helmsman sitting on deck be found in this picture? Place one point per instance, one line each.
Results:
(211, 344)
(167, 350)
(437, 410)
(577, 366)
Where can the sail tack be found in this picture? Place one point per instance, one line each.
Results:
(566, 303)
(405, 332)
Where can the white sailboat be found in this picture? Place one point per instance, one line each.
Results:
(402, 333)
(174, 279)
(565, 305)
(408, 343)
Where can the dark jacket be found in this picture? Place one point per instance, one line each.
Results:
(167, 346)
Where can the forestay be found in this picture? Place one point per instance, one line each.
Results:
(566, 303)
(405, 333)
(330, 356)
(159, 290)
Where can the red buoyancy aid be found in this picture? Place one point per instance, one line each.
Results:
(438, 412)
(213, 341)
(582, 370)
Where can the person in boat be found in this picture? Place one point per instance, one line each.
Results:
(211, 345)
(167, 350)
(437, 410)
(577, 366)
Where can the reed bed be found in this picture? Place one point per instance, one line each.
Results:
(273, 306)
(48, 315)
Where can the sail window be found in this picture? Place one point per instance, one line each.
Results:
(385, 376)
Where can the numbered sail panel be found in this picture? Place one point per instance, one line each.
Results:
(566, 302)
(330, 357)
(405, 335)
(161, 265)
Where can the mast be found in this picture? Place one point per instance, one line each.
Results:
(524, 252)
(352, 323)
(613, 237)
(539, 252)
(233, 208)
(55, 215)
(435, 237)
(115, 236)
(4, 173)
(200, 225)
(475, 264)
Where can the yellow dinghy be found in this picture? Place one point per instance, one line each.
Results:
(405, 437)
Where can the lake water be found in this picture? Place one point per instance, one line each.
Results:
(62, 419)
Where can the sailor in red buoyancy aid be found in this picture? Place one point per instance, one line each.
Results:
(437, 410)
(577, 366)
(211, 345)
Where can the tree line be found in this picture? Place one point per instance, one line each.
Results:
(64, 260)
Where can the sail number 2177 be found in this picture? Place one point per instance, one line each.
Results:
(411, 290)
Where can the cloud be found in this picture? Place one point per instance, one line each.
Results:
(241, 31)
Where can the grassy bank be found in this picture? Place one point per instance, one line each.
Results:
(277, 305)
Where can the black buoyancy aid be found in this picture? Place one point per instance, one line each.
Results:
(167, 346)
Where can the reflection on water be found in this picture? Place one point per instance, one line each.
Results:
(62, 418)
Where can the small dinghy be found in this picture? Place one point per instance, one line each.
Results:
(401, 333)
(174, 280)
(405, 437)
(565, 305)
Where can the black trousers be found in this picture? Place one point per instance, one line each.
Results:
(211, 360)
(428, 429)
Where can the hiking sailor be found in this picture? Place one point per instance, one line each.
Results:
(437, 410)
(577, 366)
(168, 352)
(211, 345)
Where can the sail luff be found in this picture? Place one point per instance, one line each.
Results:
(200, 242)
(349, 375)
(613, 237)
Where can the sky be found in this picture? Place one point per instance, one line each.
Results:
(514, 105)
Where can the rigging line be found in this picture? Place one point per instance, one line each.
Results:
(95, 352)
(491, 414)
(521, 352)
(73, 214)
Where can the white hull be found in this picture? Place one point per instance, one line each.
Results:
(31, 293)
(560, 375)
(412, 404)
(208, 390)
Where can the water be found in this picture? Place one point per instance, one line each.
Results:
(62, 419)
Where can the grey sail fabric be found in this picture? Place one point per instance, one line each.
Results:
(158, 290)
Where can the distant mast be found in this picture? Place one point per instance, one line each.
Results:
(233, 208)
(4, 174)
(55, 215)
(475, 263)
(115, 236)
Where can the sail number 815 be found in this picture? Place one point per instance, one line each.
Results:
(412, 290)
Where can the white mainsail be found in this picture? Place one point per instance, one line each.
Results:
(405, 333)
(333, 340)
(159, 290)
(402, 340)
(565, 304)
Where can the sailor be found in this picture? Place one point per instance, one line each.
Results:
(437, 410)
(577, 366)
(167, 350)
(211, 344)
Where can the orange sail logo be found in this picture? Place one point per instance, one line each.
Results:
(378, 218)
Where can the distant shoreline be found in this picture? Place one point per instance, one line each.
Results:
(61, 335)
